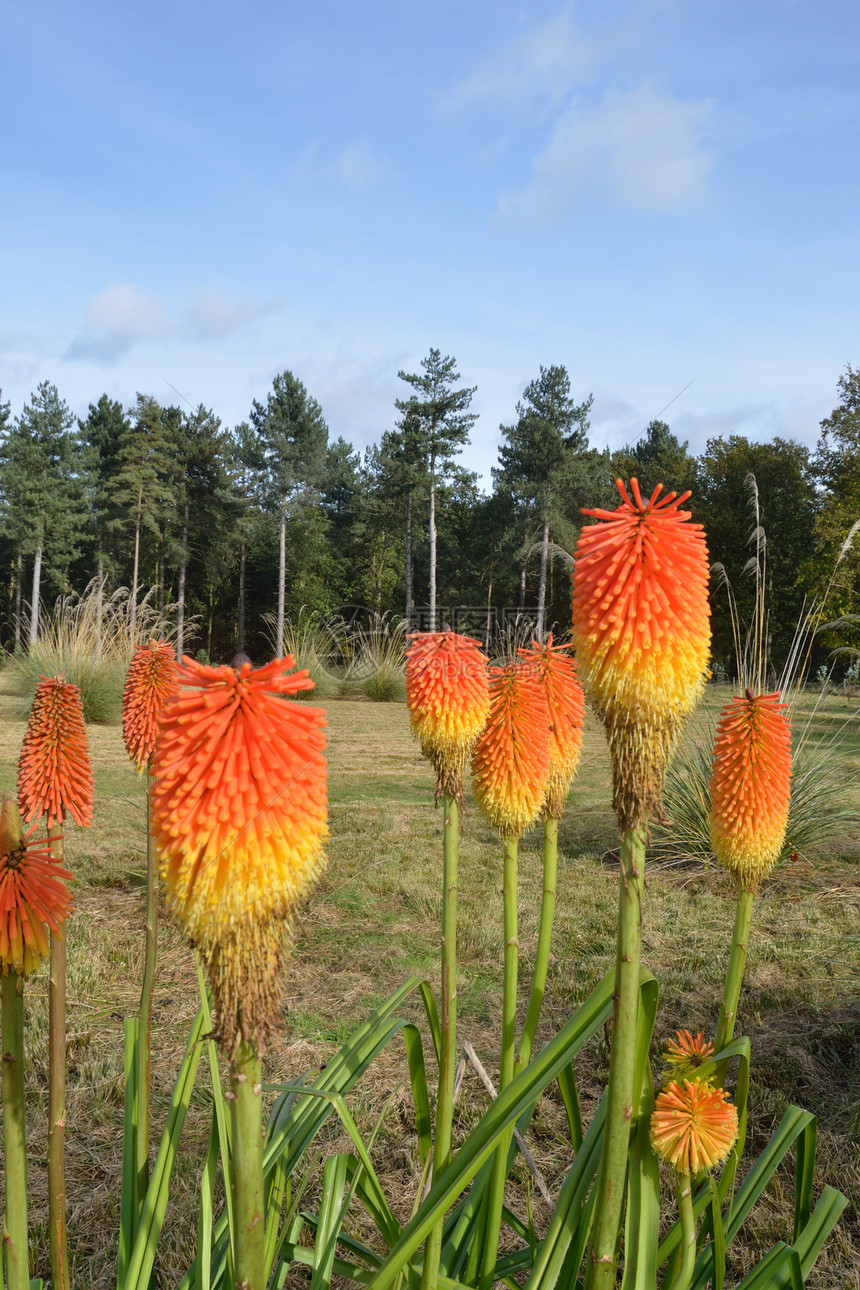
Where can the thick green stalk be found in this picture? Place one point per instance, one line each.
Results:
(248, 1209)
(734, 976)
(15, 1254)
(57, 1097)
(508, 1065)
(144, 1045)
(603, 1253)
(684, 1192)
(547, 913)
(448, 1062)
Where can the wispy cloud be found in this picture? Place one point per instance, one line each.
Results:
(357, 166)
(214, 315)
(116, 319)
(544, 63)
(640, 150)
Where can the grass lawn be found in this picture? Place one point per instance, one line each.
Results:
(375, 918)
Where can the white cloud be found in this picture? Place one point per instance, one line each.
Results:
(545, 62)
(216, 314)
(358, 167)
(116, 319)
(639, 150)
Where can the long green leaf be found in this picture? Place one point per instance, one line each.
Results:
(567, 1088)
(129, 1209)
(332, 1214)
(824, 1218)
(206, 1212)
(803, 1177)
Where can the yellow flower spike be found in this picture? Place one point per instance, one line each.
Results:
(239, 812)
(448, 698)
(641, 631)
(510, 767)
(557, 673)
(693, 1126)
(750, 787)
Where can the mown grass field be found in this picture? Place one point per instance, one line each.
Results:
(375, 918)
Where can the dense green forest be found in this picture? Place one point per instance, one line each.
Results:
(239, 528)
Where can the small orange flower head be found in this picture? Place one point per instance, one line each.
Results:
(239, 811)
(686, 1054)
(510, 766)
(557, 673)
(151, 680)
(750, 787)
(447, 693)
(641, 630)
(693, 1126)
(34, 895)
(55, 774)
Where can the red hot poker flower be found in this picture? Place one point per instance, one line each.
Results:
(642, 634)
(751, 787)
(447, 693)
(34, 895)
(510, 767)
(693, 1126)
(55, 774)
(557, 673)
(151, 680)
(239, 814)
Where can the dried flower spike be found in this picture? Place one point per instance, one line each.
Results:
(510, 767)
(693, 1126)
(54, 772)
(239, 815)
(448, 698)
(750, 787)
(557, 673)
(641, 632)
(34, 895)
(151, 680)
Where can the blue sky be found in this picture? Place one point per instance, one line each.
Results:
(659, 194)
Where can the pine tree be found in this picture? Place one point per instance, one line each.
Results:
(101, 435)
(437, 416)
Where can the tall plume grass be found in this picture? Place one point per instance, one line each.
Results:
(89, 638)
(375, 661)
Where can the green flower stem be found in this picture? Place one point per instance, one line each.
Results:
(603, 1253)
(15, 1253)
(496, 1196)
(57, 1096)
(684, 1192)
(144, 1046)
(246, 1111)
(734, 977)
(547, 913)
(448, 1063)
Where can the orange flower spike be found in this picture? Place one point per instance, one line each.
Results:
(750, 787)
(510, 766)
(693, 1126)
(150, 682)
(557, 673)
(34, 895)
(447, 693)
(55, 774)
(686, 1053)
(641, 631)
(239, 810)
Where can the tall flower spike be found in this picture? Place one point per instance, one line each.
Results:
(642, 634)
(34, 895)
(750, 787)
(150, 682)
(510, 767)
(693, 1126)
(239, 814)
(557, 673)
(448, 698)
(55, 774)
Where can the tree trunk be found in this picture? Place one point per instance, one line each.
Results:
(432, 528)
(100, 595)
(522, 605)
(541, 605)
(282, 573)
(489, 611)
(133, 623)
(34, 602)
(409, 605)
(19, 575)
(180, 592)
(240, 641)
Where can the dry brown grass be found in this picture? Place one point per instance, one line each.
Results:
(374, 919)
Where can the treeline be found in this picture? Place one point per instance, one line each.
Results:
(240, 528)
